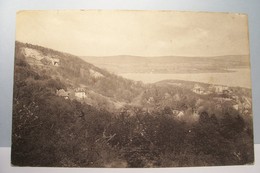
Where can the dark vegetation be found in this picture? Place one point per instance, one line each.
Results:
(51, 131)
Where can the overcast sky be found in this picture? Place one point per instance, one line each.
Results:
(141, 33)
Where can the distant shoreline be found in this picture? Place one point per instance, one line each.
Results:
(239, 77)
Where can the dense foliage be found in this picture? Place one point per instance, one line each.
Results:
(49, 130)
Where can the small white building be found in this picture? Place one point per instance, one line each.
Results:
(80, 93)
(198, 89)
(55, 61)
(62, 93)
(221, 89)
(177, 113)
(236, 107)
(180, 114)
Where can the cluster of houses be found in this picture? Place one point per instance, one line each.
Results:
(219, 89)
(243, 106)
(78, 93)
(178, 113)
(200, 90)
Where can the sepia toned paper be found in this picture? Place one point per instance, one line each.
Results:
(96, 88)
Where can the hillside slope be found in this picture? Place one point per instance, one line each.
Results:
(69, 113)
(76, 74)
(104, 90)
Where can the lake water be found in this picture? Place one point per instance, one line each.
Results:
(240, 77)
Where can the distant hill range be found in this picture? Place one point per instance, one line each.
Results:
(169, 64)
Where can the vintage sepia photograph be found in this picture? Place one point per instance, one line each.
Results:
(131, 89)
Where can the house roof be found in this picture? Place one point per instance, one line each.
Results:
(79, 90)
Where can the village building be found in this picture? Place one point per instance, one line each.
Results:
(80, 93)
(180, 114)
(221, 89)
(236, 107)
(55, 61)
(198, 89)
(63, 93)
(177, 113)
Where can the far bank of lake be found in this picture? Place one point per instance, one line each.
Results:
(239, 77)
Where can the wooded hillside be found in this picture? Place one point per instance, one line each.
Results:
(157, 125)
